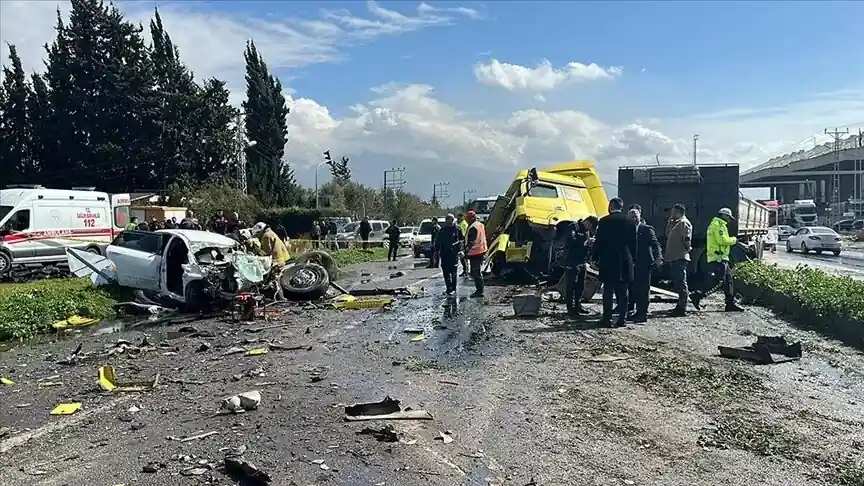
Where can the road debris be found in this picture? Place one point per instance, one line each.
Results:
(243, 402)
(397, 274)
(7, 382)
(607, 358)
(244, 471)
(257, 351)
(387, 409)
(73, 358)
(66, 409)
(74, 321)
(526, 305)
(192, 437)
(764, 350)
(445, 437)
(108, 381)
(384, 434)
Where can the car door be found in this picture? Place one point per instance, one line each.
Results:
(21, 239)
(137, 258)
(797, 237)
(377, 229)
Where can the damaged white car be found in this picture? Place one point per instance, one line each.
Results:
(190, 267)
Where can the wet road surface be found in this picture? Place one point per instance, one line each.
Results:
(849, 263)
(550, 400)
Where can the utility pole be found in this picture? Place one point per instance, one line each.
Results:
(394, 180)
(695, 139)
(465, 194)
(835, 180)
(440, 192)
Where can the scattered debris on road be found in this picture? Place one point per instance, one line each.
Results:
(192, 437)
(526, 305)
(108, 382)
(244, 471)
(764, 350)
(66, 409)
(387, 409)
(243, 402)
(384, 434)
(445, 437)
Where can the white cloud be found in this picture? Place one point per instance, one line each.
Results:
(544, 77)
(409, 125)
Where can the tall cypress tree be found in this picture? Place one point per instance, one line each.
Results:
(43, 145)
(16, 126)
(269, 177)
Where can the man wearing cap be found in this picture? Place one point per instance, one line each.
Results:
(475, 249)
(718, 245)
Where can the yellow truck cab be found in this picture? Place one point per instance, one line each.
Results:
(523, 227)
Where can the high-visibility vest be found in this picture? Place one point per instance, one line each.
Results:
(479, 247)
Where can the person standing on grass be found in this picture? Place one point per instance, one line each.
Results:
(679, 239)
(393, 234)
(365, 229)
(448, 246)
(476, 251)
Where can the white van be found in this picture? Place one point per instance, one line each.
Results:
(38, 224)
(423, 238)
(379, 228)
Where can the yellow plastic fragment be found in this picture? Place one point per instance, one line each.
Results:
(7, 382)
(74, 321)
(66, 409)
(108, 382)
(363, 304)
(419, 337)
(343, 298)
(256, 352)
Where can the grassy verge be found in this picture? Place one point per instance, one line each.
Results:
(354, 256)
(30, 308)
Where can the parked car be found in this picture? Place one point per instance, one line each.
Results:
(843, 225)
(406, 236)
(783, 231)
(423, 238)
(815, 238)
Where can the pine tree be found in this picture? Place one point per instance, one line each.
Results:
(338, 168)
(18, 160)
(43, 146)
(269, 177)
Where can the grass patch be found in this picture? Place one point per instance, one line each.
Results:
(418, 365)
(30, 308)
(678, 376)
(355, 255)
(747, 430)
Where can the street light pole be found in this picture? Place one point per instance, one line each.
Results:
(316, 182)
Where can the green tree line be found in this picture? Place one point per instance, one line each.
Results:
(115, 112)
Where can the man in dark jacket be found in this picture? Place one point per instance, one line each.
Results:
(365, 229)
(579, 244)
(433, 259)
(448, 246)
(648, 256)
(393, 240)
(614, 248)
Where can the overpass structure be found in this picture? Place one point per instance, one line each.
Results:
(810, 174)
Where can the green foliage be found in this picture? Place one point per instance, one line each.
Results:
(338, 168)
(355, 255)
(29, 309)
(208, 199)
(296, 220)
(813, 289)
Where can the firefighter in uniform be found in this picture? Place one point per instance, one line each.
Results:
(476, 251)
(274, 247)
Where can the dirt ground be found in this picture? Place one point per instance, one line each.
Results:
(546, 401)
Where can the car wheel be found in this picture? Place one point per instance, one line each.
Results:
(94, 250)
(321, 258)
(5, 263)
(305, 281)
(804, 247)
(788, 247)
(196, 297)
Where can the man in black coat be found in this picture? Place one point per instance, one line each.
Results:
(578, 249)
(649, 255)
(614, 250)
(448, 246)
(433, 258)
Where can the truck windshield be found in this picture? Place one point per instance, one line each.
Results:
(425, 228)
(805, 211)
(4, 210)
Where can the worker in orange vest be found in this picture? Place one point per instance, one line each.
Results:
(476, 251)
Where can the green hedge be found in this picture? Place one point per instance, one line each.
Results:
(29, 309)
(354, 256)
(297, 221)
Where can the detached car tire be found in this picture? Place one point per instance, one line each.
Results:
(304, 281)
(321, 258)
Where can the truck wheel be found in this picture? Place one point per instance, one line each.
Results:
(305, 281)
(94, 250)
(321, 258)
(5, 263)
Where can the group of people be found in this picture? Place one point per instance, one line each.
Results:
(627, 251)
(320, 230)
(189, 222)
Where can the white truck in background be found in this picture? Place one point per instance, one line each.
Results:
(802, 212)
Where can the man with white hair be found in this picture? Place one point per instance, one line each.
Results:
(448, 246)
(649, 255)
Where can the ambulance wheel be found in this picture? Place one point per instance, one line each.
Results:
(5, 263)
(94, 250)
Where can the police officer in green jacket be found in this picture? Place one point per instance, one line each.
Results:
(133, 224)
(719, 243)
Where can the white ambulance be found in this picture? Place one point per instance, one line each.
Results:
(38, 224)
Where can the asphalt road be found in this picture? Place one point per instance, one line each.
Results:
(849, 263)
(544, 401)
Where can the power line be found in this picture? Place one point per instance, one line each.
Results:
(467, 193)
(440, 192)
(394, 180)
(835, 179)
